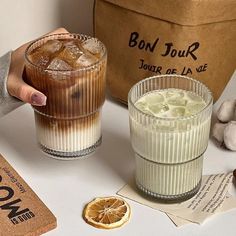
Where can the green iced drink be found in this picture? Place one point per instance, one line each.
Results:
(169, 134)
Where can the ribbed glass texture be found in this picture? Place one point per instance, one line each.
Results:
(69, 126)
(168, 179)
(169, 141)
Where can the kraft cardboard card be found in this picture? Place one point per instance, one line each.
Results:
(22, 213)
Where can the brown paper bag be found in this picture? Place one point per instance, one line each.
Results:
(152, 37)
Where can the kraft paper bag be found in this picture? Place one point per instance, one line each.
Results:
(153, 37)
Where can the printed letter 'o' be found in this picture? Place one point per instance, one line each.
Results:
(6, 193)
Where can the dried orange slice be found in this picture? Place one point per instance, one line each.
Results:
(107, 212)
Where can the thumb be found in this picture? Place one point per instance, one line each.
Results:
(26, 93)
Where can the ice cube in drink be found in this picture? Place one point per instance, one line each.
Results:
(171, 103)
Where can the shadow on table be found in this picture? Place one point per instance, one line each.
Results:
(116, 152)
(19, 137)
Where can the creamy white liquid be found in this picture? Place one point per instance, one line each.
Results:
(73, 139)
(169, 153)
(174, 179)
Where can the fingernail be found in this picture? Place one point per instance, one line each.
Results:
(38, 99)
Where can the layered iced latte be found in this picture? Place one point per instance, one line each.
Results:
(70, 70)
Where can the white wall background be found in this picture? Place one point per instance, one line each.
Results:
(24, 20)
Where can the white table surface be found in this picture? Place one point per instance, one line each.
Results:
(65, 187)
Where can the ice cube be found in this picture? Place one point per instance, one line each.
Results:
(159, 108)
(141, 105)
(194, 97)
(85, 60)
(39, 59)
(174, 93)
(51, 46)
(193, 108)
(177, 102)
(58, 64)
(178, 112)
(92, 46)
(154, 98)
(41, 55)
(70, 53)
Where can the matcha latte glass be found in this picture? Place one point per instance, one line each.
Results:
(170, 117)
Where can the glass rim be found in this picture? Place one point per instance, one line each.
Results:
(190, 117)
(26, 54)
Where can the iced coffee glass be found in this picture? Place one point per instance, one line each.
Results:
(70, 70)
(170, 118)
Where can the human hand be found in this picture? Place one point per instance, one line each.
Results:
(15, 84)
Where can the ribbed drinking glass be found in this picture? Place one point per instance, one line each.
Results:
(69, 126)
(169, 149)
